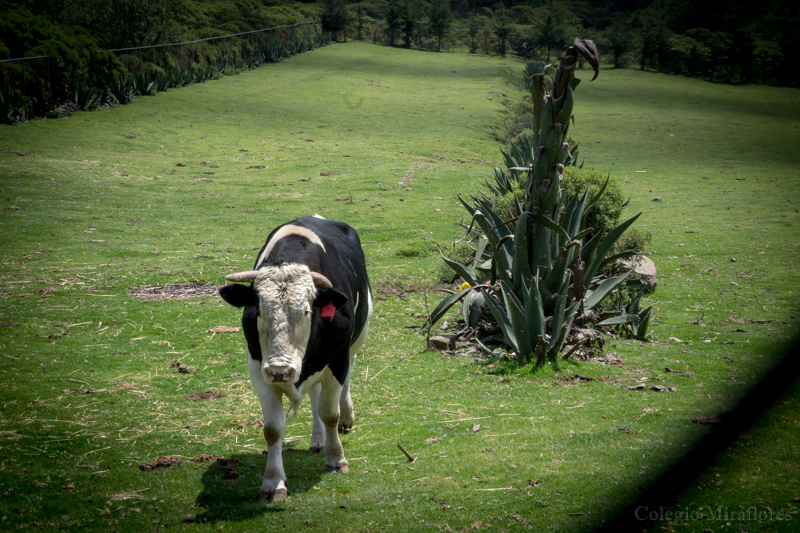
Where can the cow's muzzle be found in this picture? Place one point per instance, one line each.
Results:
(282, 376)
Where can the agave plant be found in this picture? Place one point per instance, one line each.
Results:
(631, 320)
(537, 273)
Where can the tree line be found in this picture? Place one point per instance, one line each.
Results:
(737, 41)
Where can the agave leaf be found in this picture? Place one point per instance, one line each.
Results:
(558, 320)
(541, 258)
(482, 242)
(633, 307)
(595, 199)
(644, 322)
(588, 248)
(549, 200)
(534, 311)
(543, 220)
(446, 304)
(603, 289)
(466, 273)
(502, 318)
(519, 323)
(618, 320)
(577, 215)
(616, 257)
(588, 50)
(559, 271)
(557, 341)
(469, 307)
(521, 268)
(467, 206)
(605, 246)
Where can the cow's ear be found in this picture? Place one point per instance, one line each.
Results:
(330, 295)
(239, 295)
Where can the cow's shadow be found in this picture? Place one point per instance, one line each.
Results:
(231, 485)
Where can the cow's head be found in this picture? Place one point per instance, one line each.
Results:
(285, 296)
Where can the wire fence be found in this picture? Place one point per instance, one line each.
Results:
(33, 84)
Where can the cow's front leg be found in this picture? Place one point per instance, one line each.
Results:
(329, 414)
(273, 487)
(317, 427)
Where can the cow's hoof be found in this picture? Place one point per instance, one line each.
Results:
(341, 469)
(269, 496)
(345, 428)
(316, 448)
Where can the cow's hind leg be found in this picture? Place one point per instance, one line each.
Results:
(346, 416)
(273, 487)
(317, 427)
(329, 414)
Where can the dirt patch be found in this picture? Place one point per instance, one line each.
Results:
(183, 368)
(165, 461)
(577, 378)
(229, 468)
(175, 291)
(204, 458)
(208, 395)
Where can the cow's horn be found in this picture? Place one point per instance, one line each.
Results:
(321, 281)
(247, 276)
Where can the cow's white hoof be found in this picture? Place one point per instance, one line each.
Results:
(316, 448)
(271, 494)
(344, 427)
(341, 469)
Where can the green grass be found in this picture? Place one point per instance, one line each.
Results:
(386, 138)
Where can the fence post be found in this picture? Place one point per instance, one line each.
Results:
(141, 61)
(24, 86)
(155, 61)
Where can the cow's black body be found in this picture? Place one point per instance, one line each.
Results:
(343, 263)
(304, 265)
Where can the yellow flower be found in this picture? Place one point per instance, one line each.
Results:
(464, 286)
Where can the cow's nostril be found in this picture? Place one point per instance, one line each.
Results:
(281, 376)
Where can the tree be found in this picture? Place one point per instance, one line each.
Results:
(474, 26)
(655, 44)
(619, 40)
(440, 19)
(359, 16)
(409, 16)
(551, 31)
(394, 11)
(502, 27)
(334, 16)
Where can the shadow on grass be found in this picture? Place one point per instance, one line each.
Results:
(231, 485)
(756, 404)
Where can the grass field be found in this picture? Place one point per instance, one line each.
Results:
(167, 191)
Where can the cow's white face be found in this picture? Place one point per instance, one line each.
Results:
(285, 295)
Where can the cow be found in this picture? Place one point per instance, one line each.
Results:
(306, 315)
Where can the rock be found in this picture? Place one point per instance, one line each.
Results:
(644, 269)
(443, 342)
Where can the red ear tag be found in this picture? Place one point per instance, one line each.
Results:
(328, 311)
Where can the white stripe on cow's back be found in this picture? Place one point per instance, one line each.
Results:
(317, 215)
(290, 229)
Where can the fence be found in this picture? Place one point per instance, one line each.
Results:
(26, 83)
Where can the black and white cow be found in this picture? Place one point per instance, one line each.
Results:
(306, 315)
